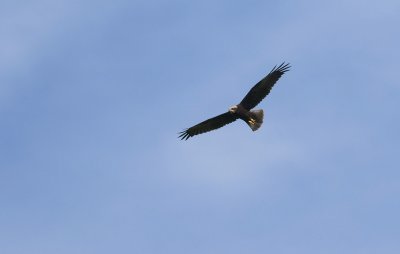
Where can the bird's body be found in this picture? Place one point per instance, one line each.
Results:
(243, 110)
(254, 118)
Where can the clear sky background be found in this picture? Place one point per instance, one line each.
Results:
(93, 94)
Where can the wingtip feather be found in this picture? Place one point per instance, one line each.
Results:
(284, 67)
(184, 135)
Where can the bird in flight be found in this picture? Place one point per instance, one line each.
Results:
(243, 110)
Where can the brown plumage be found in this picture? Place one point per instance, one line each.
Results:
(254, 118)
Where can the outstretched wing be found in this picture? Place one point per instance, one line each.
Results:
(208, 125)
(263, 87)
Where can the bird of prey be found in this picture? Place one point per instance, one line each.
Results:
(254, 118)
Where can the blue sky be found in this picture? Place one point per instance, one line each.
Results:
(93, 94)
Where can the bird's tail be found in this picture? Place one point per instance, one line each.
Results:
(256, 119)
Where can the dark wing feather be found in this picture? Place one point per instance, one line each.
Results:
(208, 125)
(263, 87)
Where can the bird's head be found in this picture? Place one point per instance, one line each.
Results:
(233, 109)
